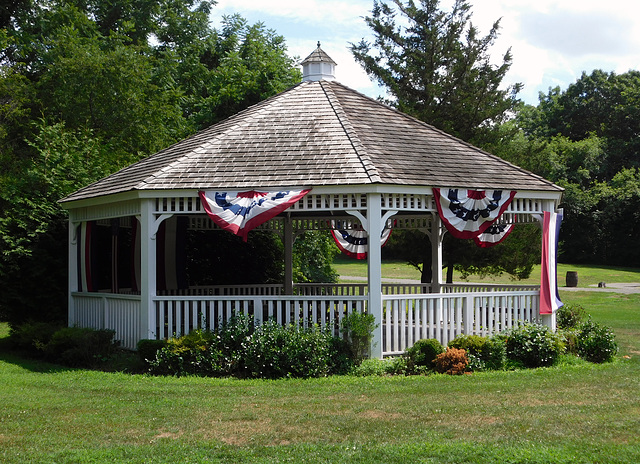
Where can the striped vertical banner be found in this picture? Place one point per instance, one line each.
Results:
(549, 297)
(85, 257)
(135, 255)
(171, 254)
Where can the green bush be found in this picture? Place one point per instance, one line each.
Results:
(596, 343)
(266, 351)
(472, 344)
(533, 345)
(484, 353)
(359, 329)
(32, 336)
(380, 367)
(80, 347)
(148, 349)
(198, 353)
(570, 316)
(275, 351)
(423, 353)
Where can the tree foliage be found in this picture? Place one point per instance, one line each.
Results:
(585, 139)
(89, 86)
(436, 65)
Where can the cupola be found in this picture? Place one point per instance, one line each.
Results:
(318, 66)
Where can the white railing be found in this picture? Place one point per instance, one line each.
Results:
(109, 311)
(409, 318)
(179, 315)
(472, 288)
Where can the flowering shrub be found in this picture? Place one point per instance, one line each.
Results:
(596, 343)
(533, 345)
(266, 351)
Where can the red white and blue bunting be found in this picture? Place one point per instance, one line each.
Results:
(239, 212)
(469, 213)
(549, 296)
(354, 242)
(493, 235)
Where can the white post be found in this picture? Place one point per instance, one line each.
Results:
(374, 268)
(437, 235)
(72, 267)
(549, 319)
(147, 269)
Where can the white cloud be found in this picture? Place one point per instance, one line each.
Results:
(552, 41)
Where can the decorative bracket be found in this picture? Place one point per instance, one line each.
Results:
(153, 230)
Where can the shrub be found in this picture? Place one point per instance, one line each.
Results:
(483, 352)
(533, 345)
(197, 353)
(472, 344)
(275, 351)
(570, 340)
(148, 349)
(267, 351)
(570, 316)
(453, 361)
(359, 329)
(423, 353)
(596, 343)
(32, 336)
(380, 367)
(81, 347)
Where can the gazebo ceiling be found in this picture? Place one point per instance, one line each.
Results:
(317, 134)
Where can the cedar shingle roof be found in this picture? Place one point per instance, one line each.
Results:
(315, 134)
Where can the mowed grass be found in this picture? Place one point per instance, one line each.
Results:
(587, 275)
(572, 413)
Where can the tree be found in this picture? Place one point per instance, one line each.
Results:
(603, 104)
(89, 86)
(436, 66)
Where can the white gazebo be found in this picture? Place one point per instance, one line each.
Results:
(344, 159)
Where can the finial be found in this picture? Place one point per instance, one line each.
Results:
(318, 44)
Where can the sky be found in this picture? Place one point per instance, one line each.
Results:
(552, 41)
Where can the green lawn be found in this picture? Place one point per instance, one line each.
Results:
(587, 275)
(580, 413)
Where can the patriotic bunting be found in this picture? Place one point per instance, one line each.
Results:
(493, 235)
(353, 243)
(468, 213)
(239, 212)
(549, 297)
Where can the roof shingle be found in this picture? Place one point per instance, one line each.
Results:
(317, 133)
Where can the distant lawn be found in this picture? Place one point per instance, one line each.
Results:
(587, 275)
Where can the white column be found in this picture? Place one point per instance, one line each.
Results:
(72, 267)
(374, 268)
(148, 230)
(288, 256)
(436, 237)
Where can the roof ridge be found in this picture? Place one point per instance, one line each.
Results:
(356, 143)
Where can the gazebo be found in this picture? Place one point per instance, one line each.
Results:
(317, 156)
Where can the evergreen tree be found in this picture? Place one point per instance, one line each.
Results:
(436, 66)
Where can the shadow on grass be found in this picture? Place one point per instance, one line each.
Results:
(31, 364)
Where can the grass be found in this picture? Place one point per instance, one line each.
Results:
(576, 413)
(587, 275)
